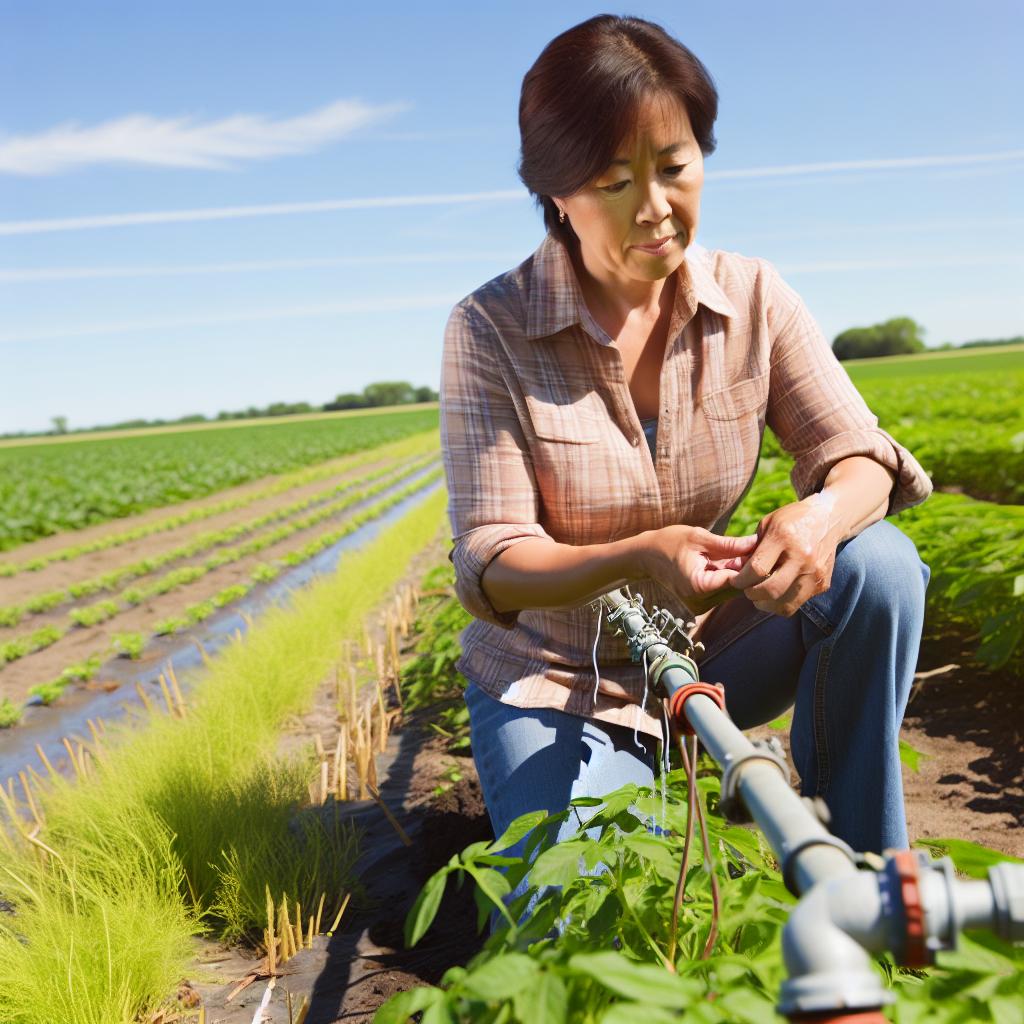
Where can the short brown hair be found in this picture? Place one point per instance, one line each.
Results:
(581, 96)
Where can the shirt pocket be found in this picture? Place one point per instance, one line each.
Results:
(742, 399)
(579, 422)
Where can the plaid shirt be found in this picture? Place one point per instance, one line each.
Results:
(541, 439)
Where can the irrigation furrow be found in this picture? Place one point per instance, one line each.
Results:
(13, 614)
(103, 611)
(87, 668)
(290, 481)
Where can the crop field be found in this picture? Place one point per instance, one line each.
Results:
(295, 832)
(46, 489)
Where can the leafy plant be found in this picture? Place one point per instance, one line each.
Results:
(129, 644)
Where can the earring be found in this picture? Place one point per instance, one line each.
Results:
(561, 216)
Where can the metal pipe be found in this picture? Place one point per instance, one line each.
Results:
(913, 907)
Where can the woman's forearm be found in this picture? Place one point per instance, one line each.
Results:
(858, 489)
(541, 573)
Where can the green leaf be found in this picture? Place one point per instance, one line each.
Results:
(638, 1013)
(560, 864)
(970, 858)
(424, 910)
(643, 982)
(656, 852)
(399, 1008)
(546, 1001)
(501, 977)
(494, 885)
(910, 757)
(745, 1005)
(519, 828)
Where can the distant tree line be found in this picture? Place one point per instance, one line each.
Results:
(896, 337)
(373, 395)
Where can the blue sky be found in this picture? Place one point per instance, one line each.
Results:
(209, 205)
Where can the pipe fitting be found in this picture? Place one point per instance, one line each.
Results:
(826, 945)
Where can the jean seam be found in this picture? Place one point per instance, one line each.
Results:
(819, 724)
(819, 620)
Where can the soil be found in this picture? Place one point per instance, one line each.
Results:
(17, 678)
(347, 976)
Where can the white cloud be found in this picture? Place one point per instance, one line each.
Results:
(117, 220)
(29, 275)
(888, 164)
(186, 141)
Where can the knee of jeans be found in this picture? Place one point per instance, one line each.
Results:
(881, 566)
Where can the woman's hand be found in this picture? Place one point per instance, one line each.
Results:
(696, 565)
(794, 556)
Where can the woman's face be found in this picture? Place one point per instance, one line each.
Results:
(650, 192)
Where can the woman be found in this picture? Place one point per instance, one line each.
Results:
(602, 409)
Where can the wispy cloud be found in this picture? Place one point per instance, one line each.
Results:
(117, 220)
(842, 266)
(374, 305)
(751, 175)
(888, 164)
(29, 275)
(186, 141)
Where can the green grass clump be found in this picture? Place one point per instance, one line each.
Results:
(182, 826)
(10, 713)
(129, 644)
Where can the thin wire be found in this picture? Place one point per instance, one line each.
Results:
(597, 636)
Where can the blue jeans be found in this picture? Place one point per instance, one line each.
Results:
(846, 661)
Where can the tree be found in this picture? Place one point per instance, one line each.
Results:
(426, 394)
(60, 424)
(899, 336)
(388, 392)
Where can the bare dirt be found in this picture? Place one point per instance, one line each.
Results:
(18, 677)
(967, 722)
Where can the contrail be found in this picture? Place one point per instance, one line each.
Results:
(121, 220)
(33, 227)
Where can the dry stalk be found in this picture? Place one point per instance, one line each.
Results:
(178, 698)
(168, 700)
(71, 754)
(402, 834)
(342, 768)
(31, 802)
(45, 760)
(144, 697)
(323, 782)
(337, 917)
(319, 912)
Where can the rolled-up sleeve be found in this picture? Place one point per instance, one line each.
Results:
(492, 493)
(818, 415)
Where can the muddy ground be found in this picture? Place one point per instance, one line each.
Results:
(963, 720)
(17, 678)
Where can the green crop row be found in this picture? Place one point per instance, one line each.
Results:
(966, 428)
(290, 481)
(47, 489)
(179, 829)
(11, 615)
(51, 691)
(102, 611)
(196, 613)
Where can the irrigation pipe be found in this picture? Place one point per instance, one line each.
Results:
(848, 912)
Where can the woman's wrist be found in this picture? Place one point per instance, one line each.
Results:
(539, 573)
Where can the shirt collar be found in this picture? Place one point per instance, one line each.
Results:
(556, 301)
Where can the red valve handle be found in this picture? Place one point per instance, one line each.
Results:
(716, 691)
